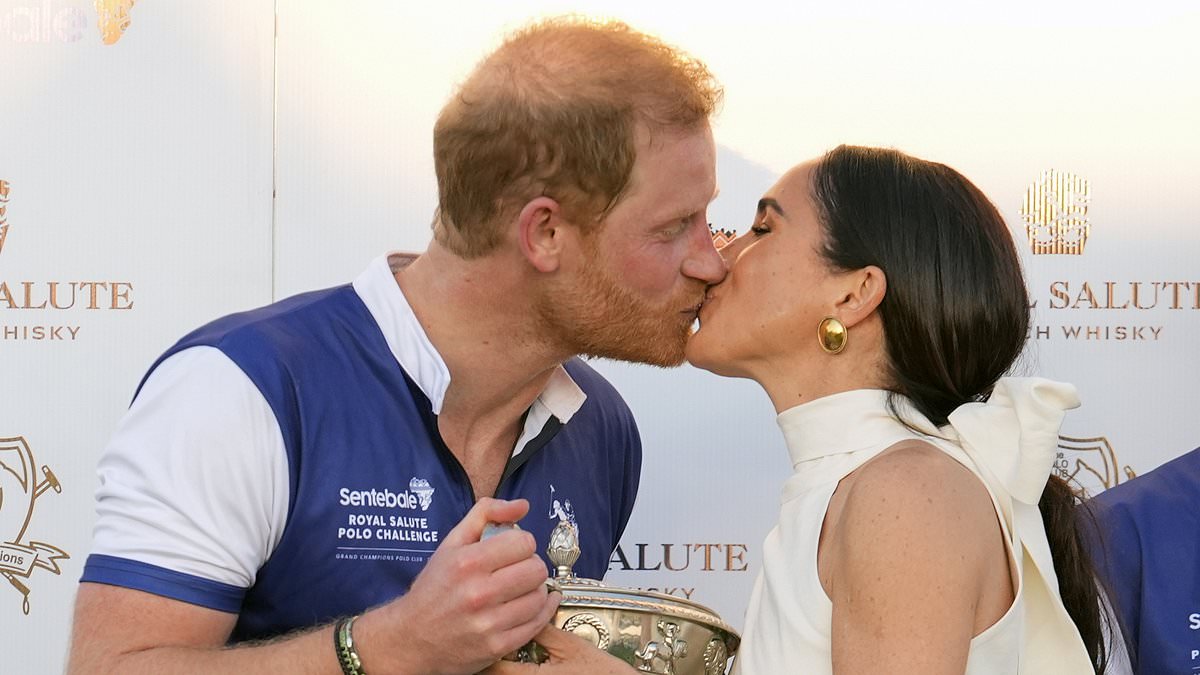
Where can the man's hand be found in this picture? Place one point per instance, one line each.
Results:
(569, 655)
(473, 603)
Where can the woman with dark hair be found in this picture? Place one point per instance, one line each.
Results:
(878, 299)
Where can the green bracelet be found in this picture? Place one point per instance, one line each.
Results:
(343, 642)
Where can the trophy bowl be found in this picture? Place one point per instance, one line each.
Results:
(653, 632)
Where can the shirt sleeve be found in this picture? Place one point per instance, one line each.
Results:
(193, 492)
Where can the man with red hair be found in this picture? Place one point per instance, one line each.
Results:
(311, 480)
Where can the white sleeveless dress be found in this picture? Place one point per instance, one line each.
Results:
(1009, 442)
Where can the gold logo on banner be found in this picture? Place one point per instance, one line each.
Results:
(25, 305)
(21, 484)
(4, 191)
(665, 558)
(1090, 464)
(113, 18)
(1055, 211)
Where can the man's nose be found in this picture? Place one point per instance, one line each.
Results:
(703, 261)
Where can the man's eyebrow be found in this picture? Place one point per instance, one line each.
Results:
(768, 203)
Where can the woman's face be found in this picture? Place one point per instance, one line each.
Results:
(764, 315)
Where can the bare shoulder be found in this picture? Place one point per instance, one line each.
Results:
(914, 559)
(916, 475)
(917, 503)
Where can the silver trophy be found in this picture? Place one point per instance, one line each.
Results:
(653, 632)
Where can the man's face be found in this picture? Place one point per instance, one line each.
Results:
(635, 291)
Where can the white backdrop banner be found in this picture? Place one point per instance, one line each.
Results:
(163, 163)
(135, 204)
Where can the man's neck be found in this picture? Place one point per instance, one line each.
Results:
(478, 315)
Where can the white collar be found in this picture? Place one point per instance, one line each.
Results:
(410, 345)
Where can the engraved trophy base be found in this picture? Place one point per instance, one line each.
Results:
(653, 632)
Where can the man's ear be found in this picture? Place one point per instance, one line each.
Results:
(865, 289)
(541, 233)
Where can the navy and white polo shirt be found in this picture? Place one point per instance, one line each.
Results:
(284, 463)
(1148, 551)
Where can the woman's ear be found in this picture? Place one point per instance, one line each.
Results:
(541, 233)
(865, 289)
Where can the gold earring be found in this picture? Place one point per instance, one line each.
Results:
(832, 335)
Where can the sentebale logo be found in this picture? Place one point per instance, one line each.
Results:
(1055, 211)
(21, 483)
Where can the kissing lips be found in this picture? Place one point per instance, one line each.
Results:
(691, 313)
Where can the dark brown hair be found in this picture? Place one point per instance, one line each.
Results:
(555, 111)
(955, 314)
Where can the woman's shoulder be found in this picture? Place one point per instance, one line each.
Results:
(916, 543)
(914, 492)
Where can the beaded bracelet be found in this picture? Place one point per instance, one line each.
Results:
(343, 642)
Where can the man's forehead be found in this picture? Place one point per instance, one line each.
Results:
(686, 159)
